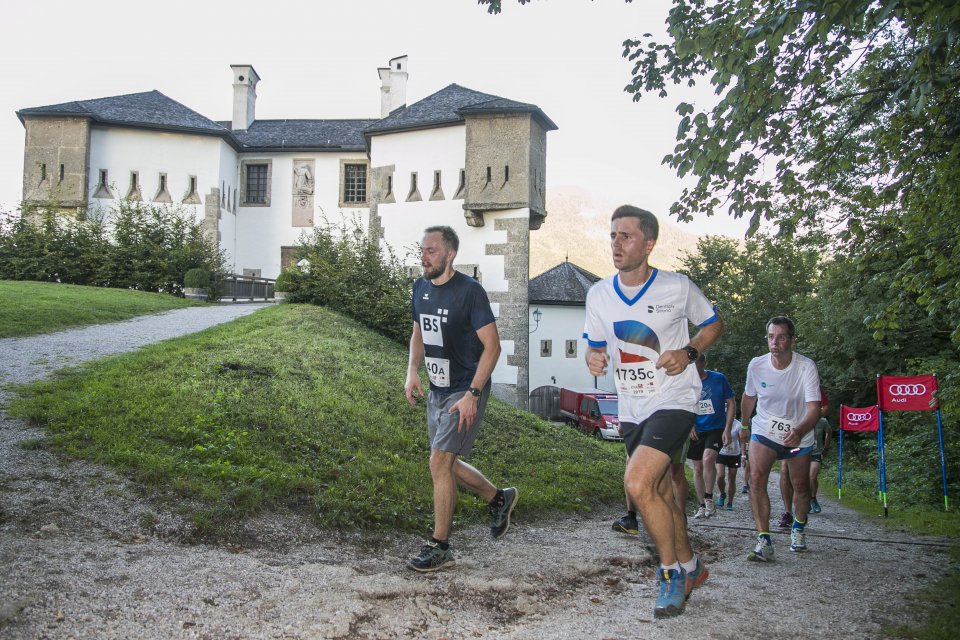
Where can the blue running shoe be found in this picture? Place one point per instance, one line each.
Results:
(696, 577)
(815, 506)
(673, 593)
(721, 499)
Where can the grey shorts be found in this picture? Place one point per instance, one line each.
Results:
(442, 425)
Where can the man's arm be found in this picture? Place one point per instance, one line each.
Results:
(747, 405)
(676, 360)
(731, 414)
(413, 387)
(467, 405)
(597, 360)
(809, 420)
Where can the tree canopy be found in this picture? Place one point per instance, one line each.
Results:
(842, 115)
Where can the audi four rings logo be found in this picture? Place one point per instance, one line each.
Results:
(907, 389)
(858, 417)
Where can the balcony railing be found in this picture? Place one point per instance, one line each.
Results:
(246, 288)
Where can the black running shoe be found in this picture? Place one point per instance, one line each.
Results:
(500, 515)
(628, 525)
(431, 558)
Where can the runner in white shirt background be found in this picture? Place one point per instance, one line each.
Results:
(638, 322)
(729, 460)
(784, 388)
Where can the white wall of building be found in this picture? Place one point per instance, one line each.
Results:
(261, 231)
(230, 180)
(559, 324)
(425, 152)
(151, 153)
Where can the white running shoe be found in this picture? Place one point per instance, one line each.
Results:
(763, 552)
(710, 508)
(798, 540)
(701, 513)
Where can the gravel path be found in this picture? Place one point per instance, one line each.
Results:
(84, 555)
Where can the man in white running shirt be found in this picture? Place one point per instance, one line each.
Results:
(784, 388)
(637, 321)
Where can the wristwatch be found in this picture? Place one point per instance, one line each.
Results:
(474, 392)
(692, 353)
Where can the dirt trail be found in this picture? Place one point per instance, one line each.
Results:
(82, 555)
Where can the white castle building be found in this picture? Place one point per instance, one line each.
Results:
(459, 157)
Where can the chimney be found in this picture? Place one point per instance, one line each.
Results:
(393, 86)
(245, 81)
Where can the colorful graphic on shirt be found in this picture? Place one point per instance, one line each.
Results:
(634, 341)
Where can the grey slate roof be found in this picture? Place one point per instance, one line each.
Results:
(153, 110)
(565, 284)
(279, 135)
(150, 109)
(448, 105)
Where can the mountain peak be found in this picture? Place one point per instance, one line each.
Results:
(577, 229)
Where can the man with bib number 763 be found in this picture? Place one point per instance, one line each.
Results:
(784, 388)
(637, 321)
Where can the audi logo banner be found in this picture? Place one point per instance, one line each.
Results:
(854, 419)
(907, 393)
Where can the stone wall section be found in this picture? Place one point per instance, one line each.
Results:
(211, 216)
(513, 321)
(505, 166)
(50, 143)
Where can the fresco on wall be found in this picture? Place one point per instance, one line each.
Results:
(303, 186)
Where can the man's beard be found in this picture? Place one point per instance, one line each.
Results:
(436, 272)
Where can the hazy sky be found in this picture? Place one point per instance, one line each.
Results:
(320, 60)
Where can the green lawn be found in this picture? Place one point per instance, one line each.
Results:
(298, 407)
(31, 308)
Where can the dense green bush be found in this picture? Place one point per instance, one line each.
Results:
(350, 272)
(287, 281)
(132, 246)
(197, 278)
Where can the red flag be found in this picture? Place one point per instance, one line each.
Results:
(907, 393)
(853, 419)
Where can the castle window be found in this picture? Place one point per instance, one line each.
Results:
(437, 193)
(255, 182)
(571, 349)
(61, 173)
(103, 189)
(462, 186)
(389, 186)
(133, 193)
(191, 196)
(43, 171)
(546, 348)
(506, 173)
(353, 184)
(162, 194)
(414, 194)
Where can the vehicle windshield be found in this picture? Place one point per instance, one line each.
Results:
(608, 407)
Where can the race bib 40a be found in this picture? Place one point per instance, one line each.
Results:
(438, 369)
